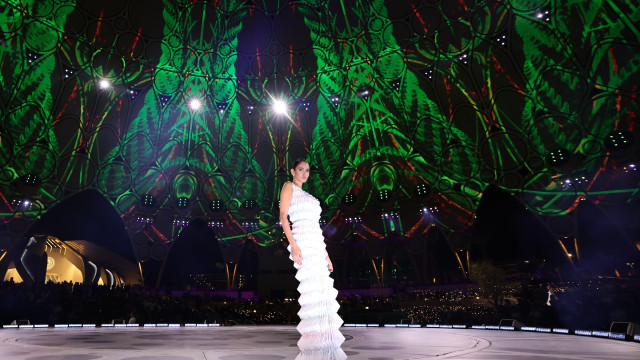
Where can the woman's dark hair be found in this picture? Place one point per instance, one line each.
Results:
(297, 162)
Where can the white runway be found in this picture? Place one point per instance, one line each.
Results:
(279, 342)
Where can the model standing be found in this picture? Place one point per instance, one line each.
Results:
(319, 321)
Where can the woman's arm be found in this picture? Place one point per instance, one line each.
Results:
(285, 201)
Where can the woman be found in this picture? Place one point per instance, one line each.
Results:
(319, 321)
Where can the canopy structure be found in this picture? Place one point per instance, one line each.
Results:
(406, 110)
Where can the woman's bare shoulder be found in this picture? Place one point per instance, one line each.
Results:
(287, 186)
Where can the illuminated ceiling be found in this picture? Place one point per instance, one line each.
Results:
(430, 100)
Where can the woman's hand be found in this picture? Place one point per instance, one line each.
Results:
(329, 264)
(296, 254)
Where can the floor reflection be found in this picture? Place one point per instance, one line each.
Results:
(330, 354)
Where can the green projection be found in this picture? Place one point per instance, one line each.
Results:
(27, 61)
(398, 105)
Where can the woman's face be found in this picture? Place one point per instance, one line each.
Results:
(301, 172)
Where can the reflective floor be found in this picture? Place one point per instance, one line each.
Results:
(279, 342)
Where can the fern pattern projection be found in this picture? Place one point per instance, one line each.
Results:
(428, 102)
(28, 62)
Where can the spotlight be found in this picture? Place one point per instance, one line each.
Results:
(32, 56)
(395, 84)
(216, 224)
(216, 205)
(464, 58)
(183, 203)
(502, 39)
(384, 195)
(68, 72)
(279, 107)
(250, 224)
(148, 200)
(558, 157)
(543, 15)
(25, 204)
(619, 140)
(164, 99)
(133, 93)
(425, 210)
(249, 204)
(349, 199)
(181, 222)
(104, 84)
(195, 104)
(354, 219)
(144, 220)
(363, 93)
(421, 190)
(391, 215)
(35, 180)
(429, 73)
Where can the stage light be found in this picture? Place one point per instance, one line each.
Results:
(32, 56)
(164, 99)
(501, 39)
(248, 204)
(180, 222)
(464, 58)
(104, 84)
(133, 93)
(618, 140)
(279, 107)
(250, 224)
(543, 15)
(390, 215)
(429, 73)
(304, 103)
(144, 220)
(183, 203)
(363, 93)
(354, 219)
(395, 84)
(35, 180)
(68, 72)
(421, 190)
(216, 205)
(428, 210)
(148, 200)
(384, 195)
(195, 104)
(558, 157)
(349, 199)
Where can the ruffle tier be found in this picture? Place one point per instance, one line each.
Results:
(319, 320)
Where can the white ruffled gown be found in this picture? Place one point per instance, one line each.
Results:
(320, 323)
